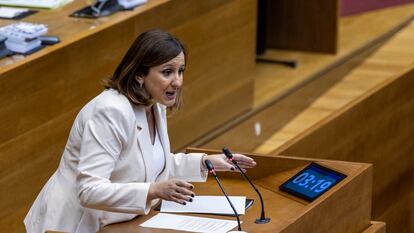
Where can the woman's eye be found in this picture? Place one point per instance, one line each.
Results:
(167, 72)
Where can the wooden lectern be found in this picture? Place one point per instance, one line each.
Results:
(346, 207)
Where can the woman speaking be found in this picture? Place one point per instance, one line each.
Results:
(117, 162)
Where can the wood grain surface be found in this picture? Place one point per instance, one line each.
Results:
(328, 213)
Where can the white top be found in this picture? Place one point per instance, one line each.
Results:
(157, 162)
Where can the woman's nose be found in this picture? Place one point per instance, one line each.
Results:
(177, 82)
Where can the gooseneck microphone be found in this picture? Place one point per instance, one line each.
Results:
(210, 168)
(262, 219)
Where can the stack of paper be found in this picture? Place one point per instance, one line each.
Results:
(189, 223)
(11, 12)
(201, 204)
(35, 3)
(207, 205)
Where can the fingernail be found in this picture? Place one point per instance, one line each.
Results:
(192, 195)
(191, 200)
(184, 203)
(191, 187)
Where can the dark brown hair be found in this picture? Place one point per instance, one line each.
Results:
(151, 48)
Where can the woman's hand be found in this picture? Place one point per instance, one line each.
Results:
(221, 163)
(172, 190)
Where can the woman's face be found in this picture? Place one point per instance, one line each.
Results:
(163, 82)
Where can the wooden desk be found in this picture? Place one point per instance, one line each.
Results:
(345, 208)
(42, 93)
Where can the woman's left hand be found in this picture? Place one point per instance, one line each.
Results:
(222, 163)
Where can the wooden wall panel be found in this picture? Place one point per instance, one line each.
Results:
(210, 113)
(275, 116)
(302, 25)
(211, 94)
(377, 128)
(26, 164)
(376, 227)
(42, 93)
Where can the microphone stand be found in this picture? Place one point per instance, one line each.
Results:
(210, 168)
(262, 219)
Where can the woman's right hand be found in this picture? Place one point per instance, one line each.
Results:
(172, 190)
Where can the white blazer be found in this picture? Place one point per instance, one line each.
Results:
(102, 177)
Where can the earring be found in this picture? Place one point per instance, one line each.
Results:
(140, 81)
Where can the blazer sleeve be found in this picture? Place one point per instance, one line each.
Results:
(104, 136)
(188, 167)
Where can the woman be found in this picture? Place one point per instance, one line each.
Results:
(117, 162)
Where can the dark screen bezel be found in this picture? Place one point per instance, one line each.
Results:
(293, 192)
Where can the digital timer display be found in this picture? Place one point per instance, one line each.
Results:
(312, 181)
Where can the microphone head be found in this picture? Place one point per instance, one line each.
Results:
(209, 165)
(227, 153)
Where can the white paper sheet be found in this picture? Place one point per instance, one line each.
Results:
(35, 3)
(206, 205)
(10, 12)
(189, 223)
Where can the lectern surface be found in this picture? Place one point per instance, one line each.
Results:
(328, 213)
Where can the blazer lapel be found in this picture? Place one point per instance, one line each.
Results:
(143, 138)
(161, 123)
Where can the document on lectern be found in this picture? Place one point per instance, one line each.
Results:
(35, 3)
(189, 223)
(207, 205)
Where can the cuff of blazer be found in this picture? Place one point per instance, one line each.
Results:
(200, 174)
(136, 203)
(192, 171)
(142, 198)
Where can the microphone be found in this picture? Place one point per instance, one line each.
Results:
(262, 219)
(210, 168)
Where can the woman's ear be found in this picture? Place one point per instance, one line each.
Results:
(140, 80)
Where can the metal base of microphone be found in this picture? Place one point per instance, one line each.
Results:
(262, 220)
